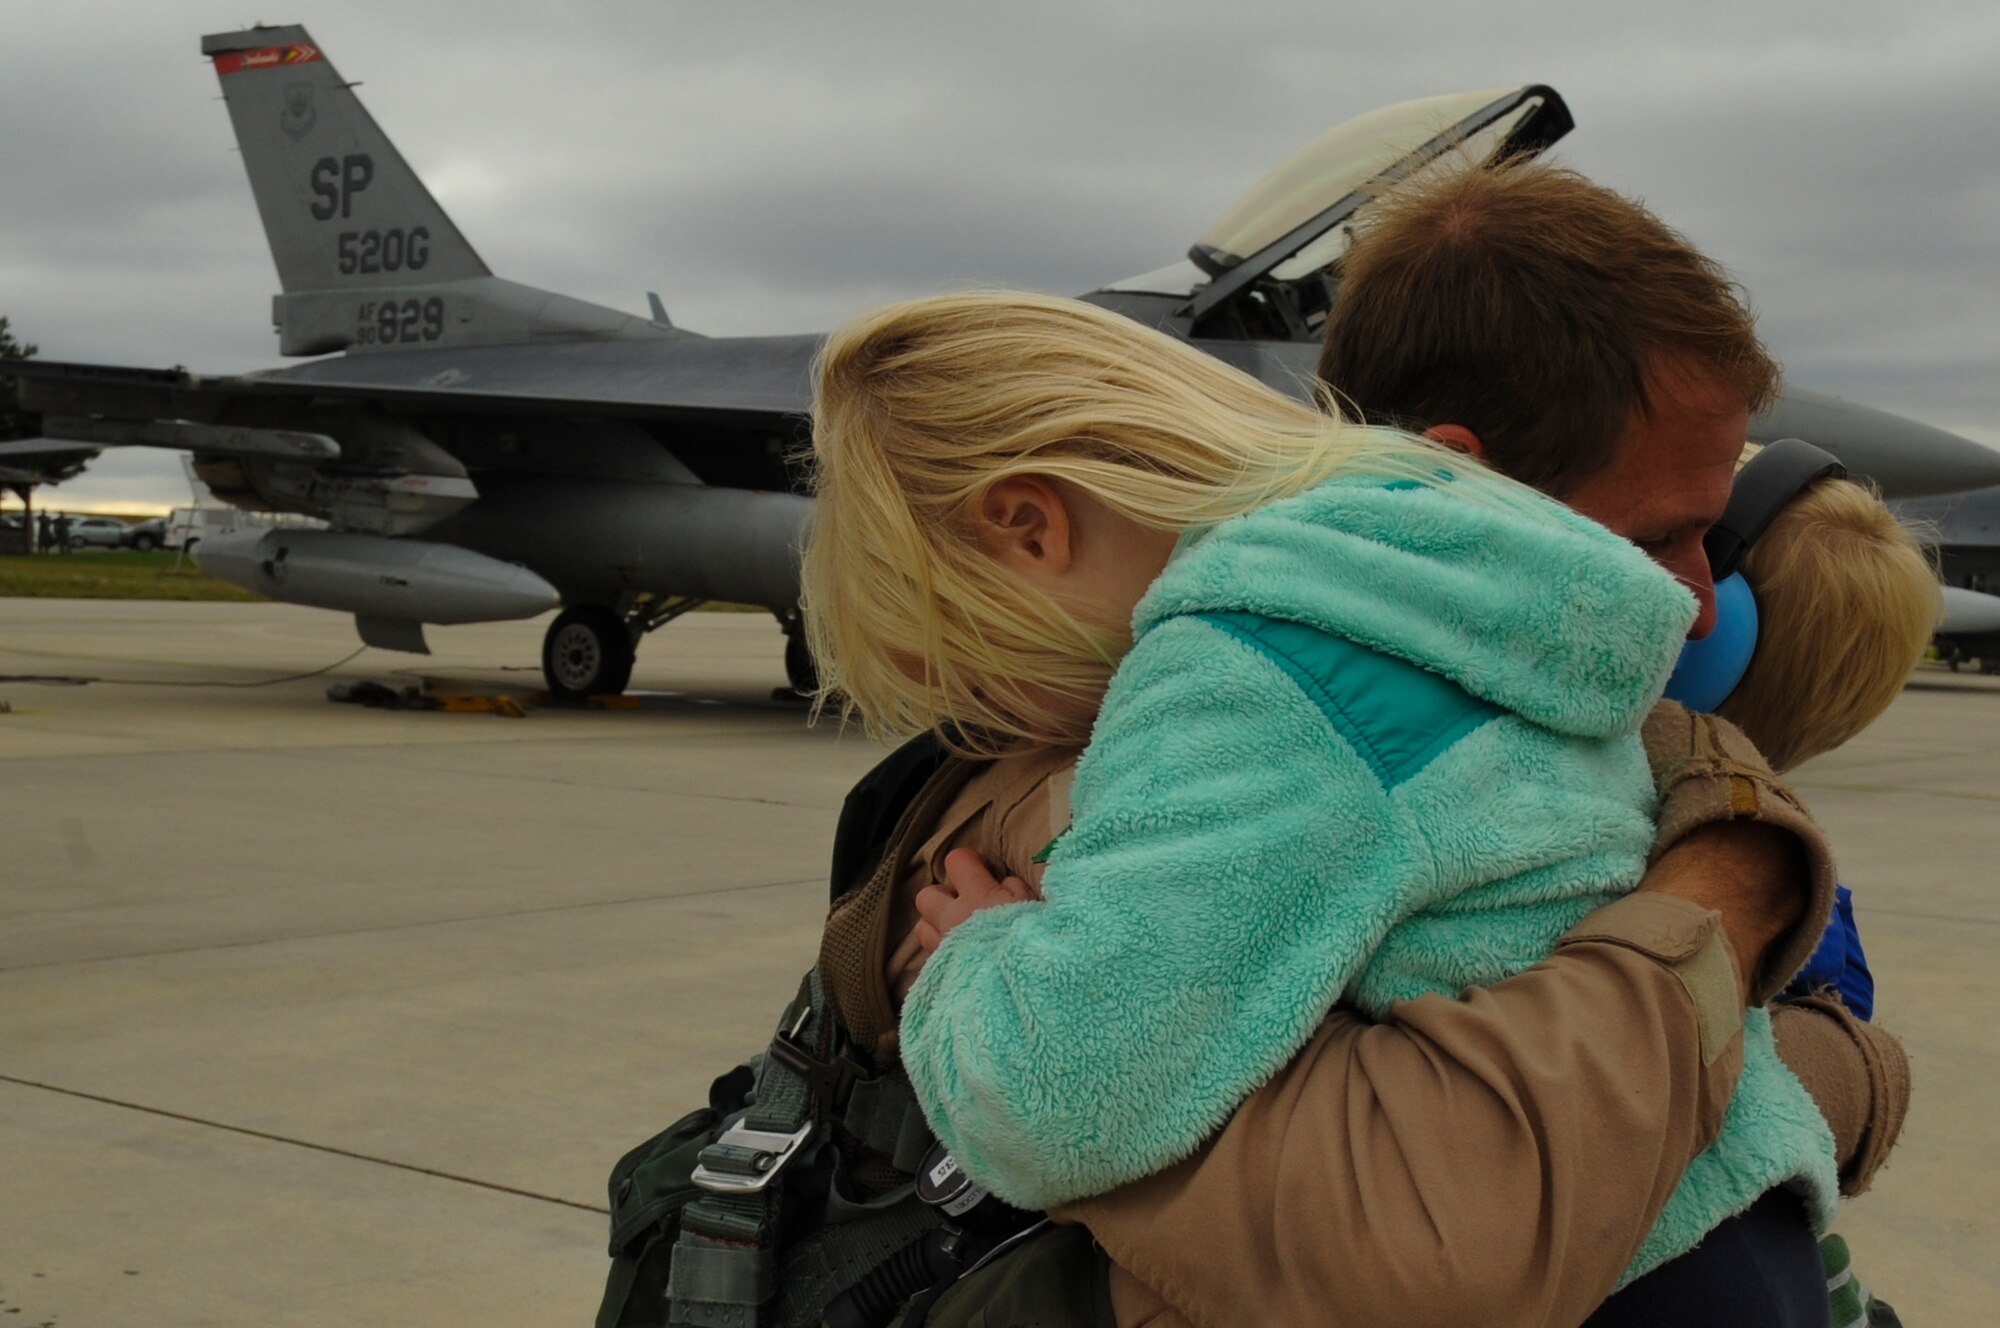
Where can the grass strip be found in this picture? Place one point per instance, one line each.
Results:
(112, 574)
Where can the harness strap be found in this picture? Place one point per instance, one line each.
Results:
(721, 1276)
(883, 1115)
(725, 1259)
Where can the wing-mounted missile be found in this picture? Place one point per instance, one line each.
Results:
(392, 586)
(1970, 630)
(392, 480)
(1969, 613)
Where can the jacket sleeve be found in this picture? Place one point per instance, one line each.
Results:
(1495, 1160)
(1232, 863)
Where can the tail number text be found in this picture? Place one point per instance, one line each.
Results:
(399, 322)
(384, 251)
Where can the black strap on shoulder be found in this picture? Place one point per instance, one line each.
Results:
(725, 1265)
(725, 1260)
(874, 805)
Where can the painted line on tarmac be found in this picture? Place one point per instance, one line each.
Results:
(268, 1137)
(505, 915)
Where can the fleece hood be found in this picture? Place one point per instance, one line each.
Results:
(1517, 599)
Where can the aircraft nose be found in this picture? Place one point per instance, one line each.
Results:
(1905, 458)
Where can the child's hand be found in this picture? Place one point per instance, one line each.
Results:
(969, 887)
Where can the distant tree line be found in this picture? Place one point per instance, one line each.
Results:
(14, 424)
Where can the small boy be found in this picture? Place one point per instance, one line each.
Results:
(1847, 602)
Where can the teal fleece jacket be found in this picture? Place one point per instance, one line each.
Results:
(1372, 742)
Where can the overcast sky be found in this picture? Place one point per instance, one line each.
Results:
(776, 167)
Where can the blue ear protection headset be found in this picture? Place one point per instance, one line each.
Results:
(1710, 669)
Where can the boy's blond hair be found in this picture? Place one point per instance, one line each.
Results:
(1847, 601)
(921, 406)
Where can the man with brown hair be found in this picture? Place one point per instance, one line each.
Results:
(1567, 336)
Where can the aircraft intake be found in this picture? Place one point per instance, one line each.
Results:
(399, 580)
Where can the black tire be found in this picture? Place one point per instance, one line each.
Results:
(588, 652)
(145, 543)
(801, 670)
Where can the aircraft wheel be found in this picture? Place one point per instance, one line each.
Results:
(800, 669)
(588, 652)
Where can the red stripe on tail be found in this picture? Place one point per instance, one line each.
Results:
(269, 57)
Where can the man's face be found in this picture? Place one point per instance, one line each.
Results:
(1672, 476)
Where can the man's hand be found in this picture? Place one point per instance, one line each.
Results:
(1753, 851)
(1752, 873)
(968, 887)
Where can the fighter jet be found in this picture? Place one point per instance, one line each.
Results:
(1963, 532)
(484, 450)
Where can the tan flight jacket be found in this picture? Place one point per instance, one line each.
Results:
(1495, 1159)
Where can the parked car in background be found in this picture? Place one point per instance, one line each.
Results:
(97, 532)
(186, 525)
(147, 535)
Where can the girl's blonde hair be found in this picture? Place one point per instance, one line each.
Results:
(1846, 601)
(919, 407)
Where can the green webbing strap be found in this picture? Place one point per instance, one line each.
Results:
(725, 1260)
(883, 1115)
(913, 1140)
(721, 1276)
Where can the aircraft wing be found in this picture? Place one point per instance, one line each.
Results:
(43, 460)
(696, 378)
(749, 382)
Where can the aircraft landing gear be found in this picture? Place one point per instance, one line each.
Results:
(801, 670)
(588, 652)
(590, 648)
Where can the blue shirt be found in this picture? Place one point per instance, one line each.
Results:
(1839, 963)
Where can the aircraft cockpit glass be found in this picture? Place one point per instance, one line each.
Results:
(1273, 259)
(1337, 163)
(1477, 146)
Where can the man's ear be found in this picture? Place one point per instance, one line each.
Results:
(1458, 438)
(1022, 521)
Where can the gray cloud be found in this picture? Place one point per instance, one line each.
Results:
(778, 167)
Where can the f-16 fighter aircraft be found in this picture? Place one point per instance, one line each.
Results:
(483, 450)
(1964, 530)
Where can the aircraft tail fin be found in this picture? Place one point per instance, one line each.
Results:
(341, 207)
(367, 260)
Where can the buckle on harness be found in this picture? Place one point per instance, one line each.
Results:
(830, 1080)
(744, 1161)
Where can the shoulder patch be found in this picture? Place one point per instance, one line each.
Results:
(1398, 716)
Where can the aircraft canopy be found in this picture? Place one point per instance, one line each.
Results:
(1348, 157)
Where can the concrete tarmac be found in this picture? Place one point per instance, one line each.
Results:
(321, 1015)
